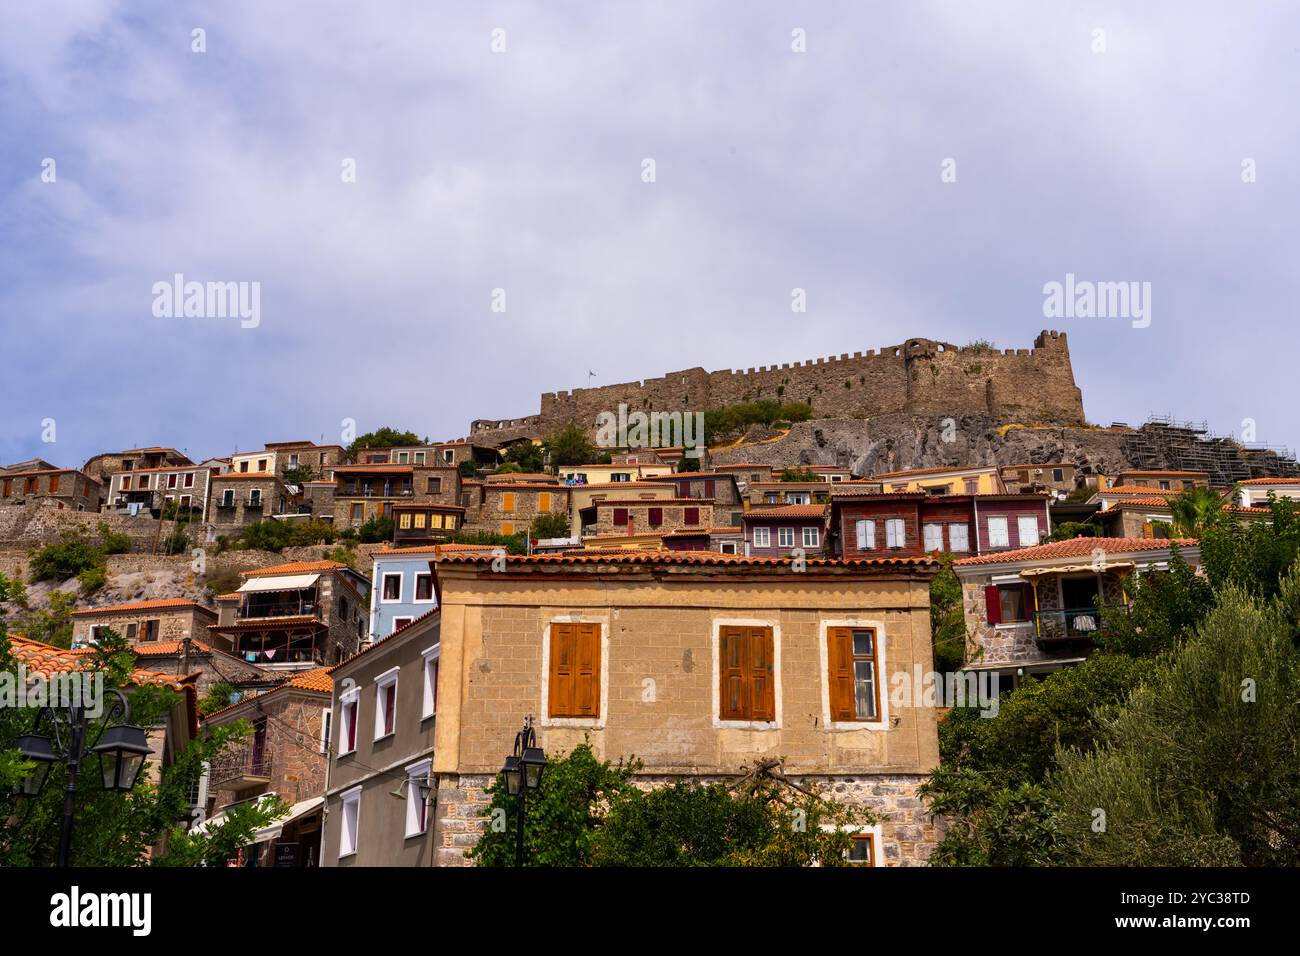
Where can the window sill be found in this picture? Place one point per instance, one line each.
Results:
(720, 724)
(386, 736)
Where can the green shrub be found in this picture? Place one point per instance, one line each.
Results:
(92, 579)
(114, 541)
(67, 558)
(549, 526)
(376, 530)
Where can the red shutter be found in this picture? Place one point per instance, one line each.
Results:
(992, 605)
(840, 676)
(656, 517)
(708, 488)
(691, 516)
(620, 517)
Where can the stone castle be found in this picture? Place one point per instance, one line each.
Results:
(919, 377)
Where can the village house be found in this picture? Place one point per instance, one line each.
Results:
(287, 755)
(367, 492)
(1254, 492)
(207, 664)
(380, 791)
(584, 498)
(102, 465)
(294, 616)
(914, 523)
(511, 507)
(724, 539)
(145, 622)
(629, 516)
(746, 474)
(1035, 610)
(980, 480)
(718, 487)
(1056, 478)
(156, 491)
(423, 524)
(766, 494)
(68, 487)
(402, 588)
(1175, 481)
(781, 531)
(698, 664)
(239, 499)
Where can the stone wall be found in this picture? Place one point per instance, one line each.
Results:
(919, 377)
(42, 522)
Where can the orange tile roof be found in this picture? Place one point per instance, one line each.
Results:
(1147, 501)
(269, 623)
(294, 567)
(1139, 491)
(159, 605)
(317, 679)
(954, 469)
(1271, 481)
(167, 648)
(44, 659)
(232, 596)
(247, 475)
(434, 549)
(652, 502)
(1157, 471)
(787, 511)
(1077, 548)
(708, 559)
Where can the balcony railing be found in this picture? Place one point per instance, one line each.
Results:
(1071, 624)
(246, 767)
(278, 609)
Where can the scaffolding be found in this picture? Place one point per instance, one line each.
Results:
(1166, 444)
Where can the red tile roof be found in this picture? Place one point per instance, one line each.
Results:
(704, 558)
(1271, 481)
(163, 604)
(953, 469)
(294, 567)
(786, 511)
(167, 648)
(269, 623)
(652, 502)
(45, 659)
(1139, 490)
(1077, 548)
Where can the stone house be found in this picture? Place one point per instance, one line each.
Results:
(1055, 478)
(979, 480)
(369, 491)
(379, 797)
(778, 532)
(151, 490)
(719, 487)
(768, 493)
(509, 507)
(318, 498)
(293, 456)
(584, 498)
(618, 516)
(1035, 610)
(296, 616)
(1175, 481)
(209, 666)
(723, 539)
(145, 622)
(286, 755)
(746, 473)
(69, 487)
(744, 658)
(102, 465)
(239, 499)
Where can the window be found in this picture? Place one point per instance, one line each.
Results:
(358, 512)
(933, 534)
(131, 631)
(1058, 475)
(435, 486)
(862, 850)
(998, 533)
(243, 467)
(575, 670)
(958, 538)
(544, 502)
(392, 586)
(972, 486)
(865, 534)
(508, 502)
(620, 517)
(404, 520)
(1006, 603)
(448, 455)
(747, 673)
(895, 533)
(691, 516)
(762, 537)
(149, 630)
(419, 519)
(349, 822)
(293, 460)
(417, 807)
(430, 683)
(424, 587)
(403, 458)
(400, 622)
(228, 497)
(385, 704)
(261, 464)
(1164, 486)
(812, 537)
(419, 458)
(348, 720)
(326, 719)
(854, 678)
(785, 537)
(727, 547)
(1027, 525)
(172, 480)
(507, 527)
(656, 517)
(255, 496)
(798, 498)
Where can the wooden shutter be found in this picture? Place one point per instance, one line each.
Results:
(747, 673)
(620, 517)
(575, 670)
(992, 604)
(691, 516)
(840, 673)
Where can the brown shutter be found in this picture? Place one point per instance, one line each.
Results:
(586, 697)
(992, 604)
(563, 652)
(732, 671)
(762, 674)
(840, 676)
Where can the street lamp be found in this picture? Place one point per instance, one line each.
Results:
(523, 772)
(121, 750)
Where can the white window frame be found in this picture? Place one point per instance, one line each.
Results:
(762, 537)
(382, 683)
(895, 533)
(956, 533)
(882, 673)
(716, 684)
(812, 537)
(927, 530)
(348, 701)
(415, 589)
(864, 530)
(416, 774)
(349, 833)
(431, 656)
(383, 588)
(875, 832)
(1023, 522)
(785, 537)
(1001, 539)
(326, 725)
(597, 722)
(727, 547)
(401, 622)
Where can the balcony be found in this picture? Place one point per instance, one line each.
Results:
(1070, 626)
(241, 769)
(306, 607)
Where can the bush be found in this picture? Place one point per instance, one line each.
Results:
(178, 542)
(67, 558)
(797, 474)
(92, 579)
(224, 582)
(549, 526)
(376, 530)
(469, 469)
(114, 541)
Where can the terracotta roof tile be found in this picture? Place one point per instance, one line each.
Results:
(294, 567)
(1271, 481)
(705, 558)
(1077, 548)
(786, 511)
(159, 605)
(45, 659)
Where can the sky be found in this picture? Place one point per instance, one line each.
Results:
(390, 174)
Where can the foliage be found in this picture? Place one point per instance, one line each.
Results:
(66, 558)
(223, 582)
(554, 525)
(299, 475)
(527, 455)
(342, 555)
(1165, 610)
(947, 618)
(469, 468)
(92, 579)
(1195, 510)
(1254, 556)
(385, 437)
(375, 530)
(797, 474)
(272, 535)
(512, 543)
(218, 696)
(764, 411)
(1200, 767)
(569, 446)
(114, 542)
(687, 463)
(1074, 529)
(53, 625)
(178, 542)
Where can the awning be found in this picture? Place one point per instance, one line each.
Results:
(297, 811)
(217, 819)
(1077, 568)
(1029, 667)
(287, 582)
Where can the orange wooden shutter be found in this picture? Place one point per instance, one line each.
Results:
(762, 674)
(563, 652)
(586, 676)
(732, 671)
(840, 676)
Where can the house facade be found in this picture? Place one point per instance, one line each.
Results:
(697, 664)
(160, 490)
(70, 488)
(913, 523)
(368, 492)
(145, 622)
(785, 530)
(239, 499)
(403, 589)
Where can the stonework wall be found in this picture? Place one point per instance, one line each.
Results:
(919, 377)
(173, 624)
(41, 522)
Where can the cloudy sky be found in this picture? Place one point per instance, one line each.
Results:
(1115, 155)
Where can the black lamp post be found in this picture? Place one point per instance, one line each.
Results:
(121, 750)
(523, 772)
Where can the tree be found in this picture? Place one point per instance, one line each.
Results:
(1074, 529)
(66, 558)
(385, 437)
(375, 530)
(1195, 510)
(798, 474)
(569, 446)
(525, 455)
(1200, 766)
(549, 526)
(947, 618)
(469, 468)
(299, 475)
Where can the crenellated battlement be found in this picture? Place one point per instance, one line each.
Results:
(919, 376)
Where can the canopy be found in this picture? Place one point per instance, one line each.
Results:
(286, 582)
(297, 811)
(1077, 568)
